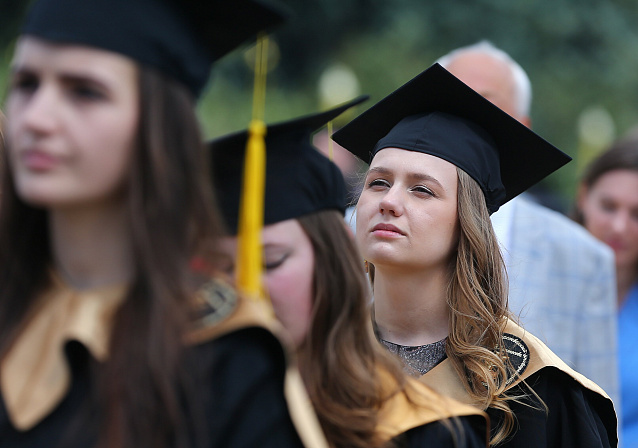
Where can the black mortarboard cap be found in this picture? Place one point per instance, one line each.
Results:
(181, 38)
(435, 113)
(299, 179)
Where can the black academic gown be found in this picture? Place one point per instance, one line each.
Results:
(574, 419)
(579, 414)
(239, 373)
(242, 397)
(463, 432)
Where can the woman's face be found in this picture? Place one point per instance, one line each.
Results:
(610, 211)
(72, 119)
(288, 275)
(407, 213)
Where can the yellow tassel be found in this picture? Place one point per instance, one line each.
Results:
(251, 212)
(249, 264)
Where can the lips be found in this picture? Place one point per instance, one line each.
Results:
(387, 230)
(37, 160)
(616, 245)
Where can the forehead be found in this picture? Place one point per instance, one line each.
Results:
(282, 232)
(39, 54)
(479, 69)
(621, 183)
(404, 162)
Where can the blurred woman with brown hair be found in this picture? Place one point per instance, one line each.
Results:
(107, 337)
(607, 206)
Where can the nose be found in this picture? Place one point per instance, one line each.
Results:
(391, 203)
(37, 113)
(620, 221)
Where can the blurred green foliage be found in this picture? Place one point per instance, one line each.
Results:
(578, 54)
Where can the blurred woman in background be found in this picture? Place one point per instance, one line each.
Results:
(607, 205)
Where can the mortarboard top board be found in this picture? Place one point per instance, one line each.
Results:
(180, 38)
(299, 179)
(435, 113)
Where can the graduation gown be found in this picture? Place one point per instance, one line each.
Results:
(422, 418)
(580, 414)
(247, 390)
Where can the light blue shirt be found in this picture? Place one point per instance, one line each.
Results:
(562, 287)
(628, 366)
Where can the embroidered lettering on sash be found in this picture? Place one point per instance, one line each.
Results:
(213, 303)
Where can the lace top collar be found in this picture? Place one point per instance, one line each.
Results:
(420, 359)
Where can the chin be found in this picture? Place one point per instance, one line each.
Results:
(47, 199)
(37, 198)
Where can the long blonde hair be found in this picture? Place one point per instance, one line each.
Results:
(477, 296)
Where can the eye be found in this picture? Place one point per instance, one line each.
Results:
(608, 206)
(378, 183)
(86, 92)
(272, 263)
(24, 83)
(423, 190)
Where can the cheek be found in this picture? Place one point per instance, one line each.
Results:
(595, 218)
(109, 152)
(290, 287)
(365, 211)
(290, 290)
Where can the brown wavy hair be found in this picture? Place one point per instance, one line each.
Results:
(142, 387)
(477, 296)
(340, 360)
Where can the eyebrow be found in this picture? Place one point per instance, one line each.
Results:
(79, 77)
(411, 175)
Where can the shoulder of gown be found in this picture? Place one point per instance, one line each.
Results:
(569, 396)
(466, 431)
(241, 345)
(567, 414)
(418, 413)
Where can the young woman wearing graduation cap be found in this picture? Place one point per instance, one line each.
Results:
(315, 280)
(442, 158)
(107, 337)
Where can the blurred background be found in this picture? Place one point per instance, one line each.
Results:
(581, 56)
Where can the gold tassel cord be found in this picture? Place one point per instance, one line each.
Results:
(251, 214)
(330, 147)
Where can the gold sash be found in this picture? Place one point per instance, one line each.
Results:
(444, 379)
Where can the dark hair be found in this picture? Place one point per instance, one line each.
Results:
(340, 360)
(621, 155)
(140, 386)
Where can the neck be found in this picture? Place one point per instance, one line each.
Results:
(411, 307)
(625, 278)
(91, 245)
